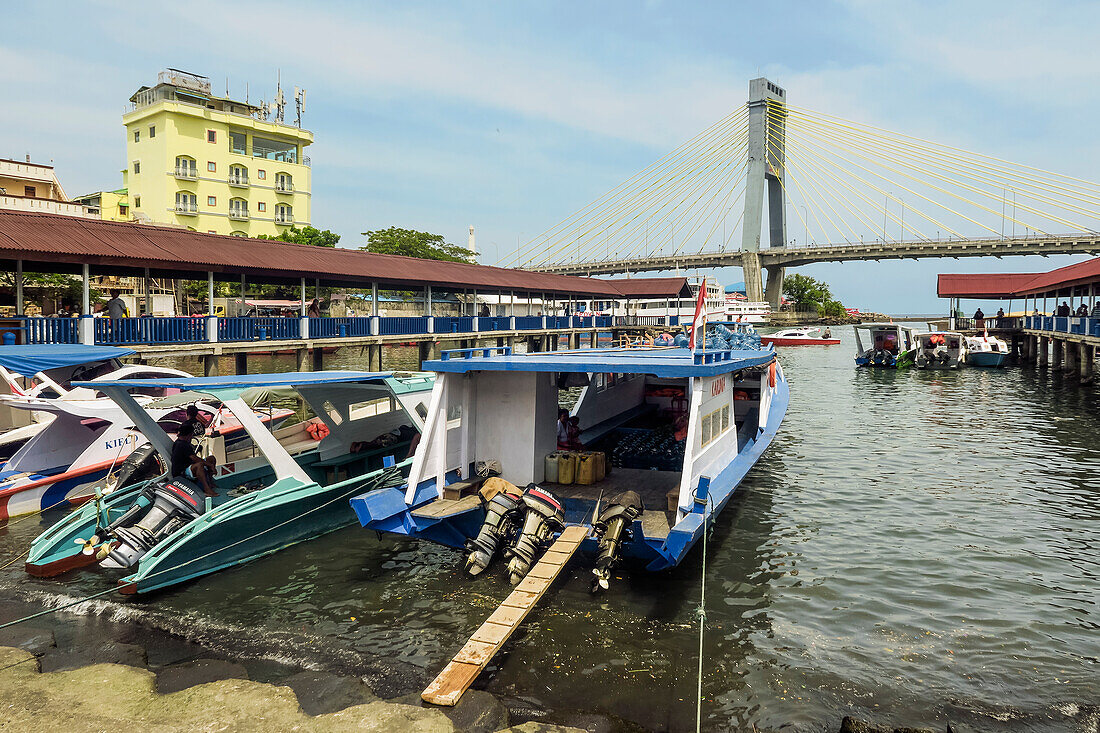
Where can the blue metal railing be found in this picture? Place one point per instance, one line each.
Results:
(52, 330)
(258, 328)
(326, 328)
(454, 324)
(150, 330)
(482, 351)
(1061, 323)
(1081, 326)
(674, 321)
(193, 329)
(494, 323)
(402, 325)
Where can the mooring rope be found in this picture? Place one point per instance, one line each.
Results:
(702, 613)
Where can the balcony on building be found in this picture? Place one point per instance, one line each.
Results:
(186, 169)
(284, 183)
(238, 213)
(284, 216)
(187, 204)
(238, 178)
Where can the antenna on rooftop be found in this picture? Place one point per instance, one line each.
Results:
(280, 100)
(299, 105)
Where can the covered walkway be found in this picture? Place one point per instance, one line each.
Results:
(87, 248)
(1062, 325)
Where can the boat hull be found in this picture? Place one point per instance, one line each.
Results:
(903, 361)
(385, 510)
(986, 359)
(791, 341)
(239, 530)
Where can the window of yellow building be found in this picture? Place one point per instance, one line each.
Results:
(261, 206)
(238, 143)
(261, 174)
(211, 200)
(211, 136)
(211, 166)
(152, 130)
(137, 136)
(137, 166)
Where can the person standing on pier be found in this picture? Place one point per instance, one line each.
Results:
(979, 319)
(314, 309)
(116, 306)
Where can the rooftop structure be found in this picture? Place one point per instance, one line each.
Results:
(27, 186)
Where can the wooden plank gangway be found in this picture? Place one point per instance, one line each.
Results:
(466, 665)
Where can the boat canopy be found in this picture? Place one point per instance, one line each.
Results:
(229, 386)
(30, 359)
(656, 361)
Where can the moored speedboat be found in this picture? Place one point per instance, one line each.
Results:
(939, 350)
(986, 351)
(806, 336)
(679, 430)
(885, 345)
(163, 531)
(46, 371)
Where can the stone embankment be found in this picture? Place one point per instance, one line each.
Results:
(95, 686)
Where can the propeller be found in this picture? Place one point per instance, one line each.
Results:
(88, 544)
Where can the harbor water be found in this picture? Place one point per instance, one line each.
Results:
(917, 547)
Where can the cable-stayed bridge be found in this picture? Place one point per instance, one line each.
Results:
(818, 188)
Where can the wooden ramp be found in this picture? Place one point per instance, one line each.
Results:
(463, 669)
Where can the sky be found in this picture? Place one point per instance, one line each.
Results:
(511, 116)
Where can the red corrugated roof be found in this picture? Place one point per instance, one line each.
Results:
(652, 287)
(1016, 284)
(49, 238)
(968, 285)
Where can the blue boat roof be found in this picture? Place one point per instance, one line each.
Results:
(29, 359)
(242, 381)
(657, 361)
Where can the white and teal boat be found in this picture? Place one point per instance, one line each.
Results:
(986, 351)
(164, 531)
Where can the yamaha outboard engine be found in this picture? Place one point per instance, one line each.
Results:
(613, 528)
(502, 517)
(175, 503)
(544, 514)
(142, 464)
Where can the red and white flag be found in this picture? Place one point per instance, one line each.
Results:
(700, 308)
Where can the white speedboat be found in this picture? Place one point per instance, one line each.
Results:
(805, 336)
(940, 350)
(46, 371)
(885, 345)
(986, 351)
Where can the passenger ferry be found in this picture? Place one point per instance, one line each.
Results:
(683, 308)
(675, 431)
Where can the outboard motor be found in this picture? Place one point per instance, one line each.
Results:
(142, 464)
(544, 514)
(502, 517)
(175, 503)
(612, 528)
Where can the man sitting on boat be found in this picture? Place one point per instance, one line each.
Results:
(187, 463)
(198, 427)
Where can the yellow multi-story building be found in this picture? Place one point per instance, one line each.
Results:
(213, 164)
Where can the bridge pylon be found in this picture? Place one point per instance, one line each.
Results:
(766, 168)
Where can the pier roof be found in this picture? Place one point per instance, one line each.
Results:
(1016, 284)
(652, 287)
(63, 243)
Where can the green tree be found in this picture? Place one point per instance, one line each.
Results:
(805, 292)
(410, 243)
(832, 309)
(308, 235)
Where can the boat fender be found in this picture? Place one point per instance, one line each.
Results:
(771, 374)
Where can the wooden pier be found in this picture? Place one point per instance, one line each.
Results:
(463, 669)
